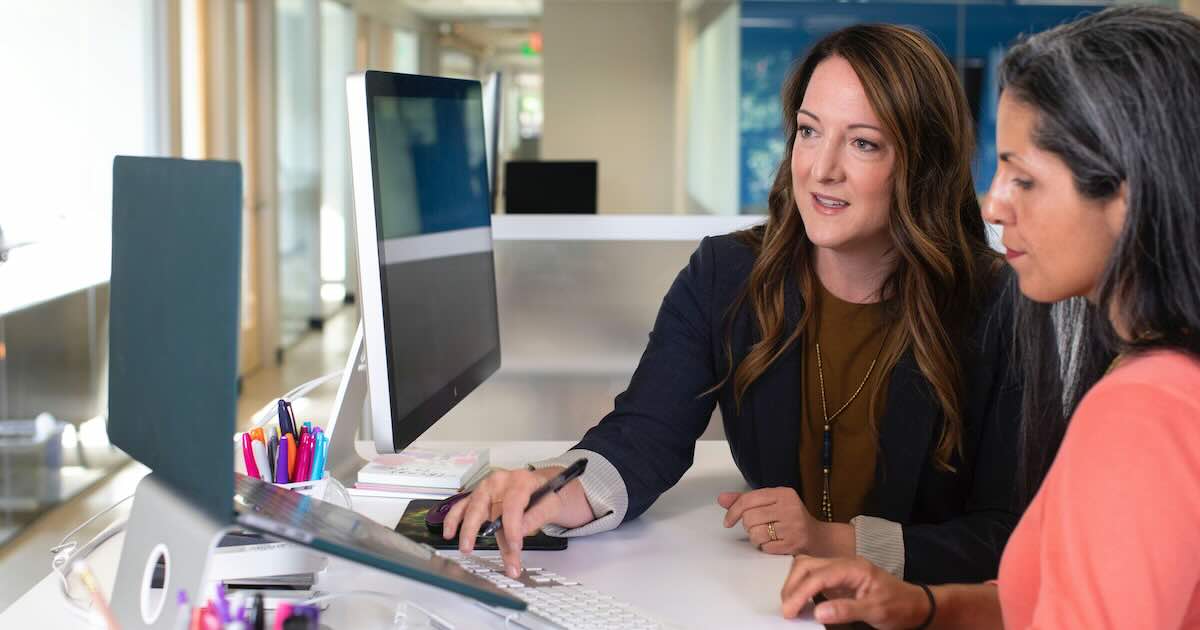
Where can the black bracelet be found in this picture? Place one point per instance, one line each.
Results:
(932, 608)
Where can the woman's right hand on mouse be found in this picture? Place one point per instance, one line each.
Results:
(506, 493)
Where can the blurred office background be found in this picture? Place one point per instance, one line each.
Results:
(670, 106)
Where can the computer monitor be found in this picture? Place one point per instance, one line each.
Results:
(427, 275)
(550, 187)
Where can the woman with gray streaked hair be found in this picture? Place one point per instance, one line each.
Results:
(1098, 191)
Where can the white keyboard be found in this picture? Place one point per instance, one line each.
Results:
(554, 601)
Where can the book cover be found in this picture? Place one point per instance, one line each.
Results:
(425, 468)
(389, 492)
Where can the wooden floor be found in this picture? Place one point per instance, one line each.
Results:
(25, 560)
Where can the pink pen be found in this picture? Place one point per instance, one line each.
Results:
(282, 612)
(304, 457)
(248, 456)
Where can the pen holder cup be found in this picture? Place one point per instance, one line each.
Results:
(326, 489)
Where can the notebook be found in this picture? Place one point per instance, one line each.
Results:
(418, 467)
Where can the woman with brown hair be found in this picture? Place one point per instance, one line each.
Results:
(857, 344)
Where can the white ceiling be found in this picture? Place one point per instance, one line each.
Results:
(475, 9)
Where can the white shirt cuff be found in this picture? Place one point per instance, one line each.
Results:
(603, 487)
(881, 542)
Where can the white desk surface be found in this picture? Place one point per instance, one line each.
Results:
(676, 562)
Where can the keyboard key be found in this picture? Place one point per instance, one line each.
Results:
(557, 599)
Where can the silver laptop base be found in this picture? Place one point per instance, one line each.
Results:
(162, 522)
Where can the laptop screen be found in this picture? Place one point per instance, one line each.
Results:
(335, 530)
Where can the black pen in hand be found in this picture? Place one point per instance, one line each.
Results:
(554, 485)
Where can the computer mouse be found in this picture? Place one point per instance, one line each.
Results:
(437, 514)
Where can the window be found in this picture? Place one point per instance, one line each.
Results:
(84, 80)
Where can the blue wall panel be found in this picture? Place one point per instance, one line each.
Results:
(775, 34)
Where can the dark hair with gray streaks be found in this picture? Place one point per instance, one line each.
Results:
(1117, 95)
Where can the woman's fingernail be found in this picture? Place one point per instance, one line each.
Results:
(822, 613)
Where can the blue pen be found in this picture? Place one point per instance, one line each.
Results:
(316, 452)
(295, 424)
(285, 418)
(319, 455)
(324, 452)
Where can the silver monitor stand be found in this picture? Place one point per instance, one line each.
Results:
(347, 415)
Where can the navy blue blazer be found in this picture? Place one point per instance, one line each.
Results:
(955, 524)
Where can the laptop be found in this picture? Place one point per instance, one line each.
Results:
(173, 372)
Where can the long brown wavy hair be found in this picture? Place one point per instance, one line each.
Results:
(938, 235)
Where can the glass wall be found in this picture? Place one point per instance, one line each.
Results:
(80, 88)
(337, 62)
(405, 51)
(298, 101)
(711, 140)
(82, 84)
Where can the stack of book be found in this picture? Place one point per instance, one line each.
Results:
(422, 473)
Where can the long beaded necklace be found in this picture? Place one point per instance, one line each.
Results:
(827, 439)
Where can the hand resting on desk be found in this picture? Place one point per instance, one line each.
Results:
(506, 493)
(796, 531)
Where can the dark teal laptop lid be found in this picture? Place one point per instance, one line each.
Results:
(172, 393)
(173, 322)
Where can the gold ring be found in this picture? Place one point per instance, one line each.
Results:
(771, 531)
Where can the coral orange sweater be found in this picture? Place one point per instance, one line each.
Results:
(1112, 539)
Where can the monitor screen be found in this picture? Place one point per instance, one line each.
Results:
(550, 187)
(429, 295)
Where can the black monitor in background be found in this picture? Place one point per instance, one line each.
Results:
(971, 72)
(550, 187)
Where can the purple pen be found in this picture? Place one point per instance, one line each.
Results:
(222, 604)
(183, 615)
(281, 463)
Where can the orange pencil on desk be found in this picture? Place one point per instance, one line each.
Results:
(292, 448)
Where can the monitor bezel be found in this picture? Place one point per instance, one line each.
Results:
(392, 432)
